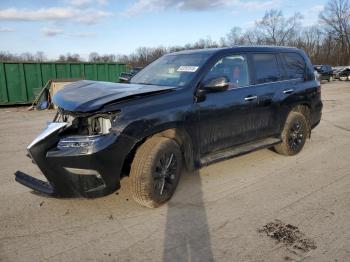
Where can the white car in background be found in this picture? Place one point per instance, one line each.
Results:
(344, 74)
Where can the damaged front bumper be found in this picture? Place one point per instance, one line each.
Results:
(76, 166)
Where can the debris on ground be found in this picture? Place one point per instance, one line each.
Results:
(289, 235)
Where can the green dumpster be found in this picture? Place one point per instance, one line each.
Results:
(21, 82)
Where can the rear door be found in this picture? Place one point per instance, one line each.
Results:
(299, 82)
(268, 78)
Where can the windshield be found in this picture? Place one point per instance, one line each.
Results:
(171, 70)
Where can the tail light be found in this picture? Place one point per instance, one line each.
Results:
(319, 89)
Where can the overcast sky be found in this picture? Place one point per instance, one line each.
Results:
(119, 27)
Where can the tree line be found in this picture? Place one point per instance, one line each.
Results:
(328, 42)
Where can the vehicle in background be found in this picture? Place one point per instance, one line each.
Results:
(336, 71)
(343, 74)
(187, 109)
(325, 72)
(126, 76)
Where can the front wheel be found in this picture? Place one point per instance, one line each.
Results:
(294, 135)
(155, 171)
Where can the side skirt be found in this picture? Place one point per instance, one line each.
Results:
(238, 151)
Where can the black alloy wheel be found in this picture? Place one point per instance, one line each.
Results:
(155, 171)
(293, 135)
(296, 137)
(165, 174)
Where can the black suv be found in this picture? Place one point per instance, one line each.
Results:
(325, 72)
(186, 109)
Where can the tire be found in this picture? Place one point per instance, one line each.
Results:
(342, 78)
(294, 135)
(155, 171)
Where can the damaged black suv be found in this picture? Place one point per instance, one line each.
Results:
(186, 109)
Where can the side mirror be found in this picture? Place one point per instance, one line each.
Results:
(217, 84)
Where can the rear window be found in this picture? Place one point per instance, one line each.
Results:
(266, 68)
(295, 65)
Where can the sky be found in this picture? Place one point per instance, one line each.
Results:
(119, 26)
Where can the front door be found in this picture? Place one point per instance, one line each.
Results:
(237, 115)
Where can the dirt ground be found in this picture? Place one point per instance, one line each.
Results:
(258, 207)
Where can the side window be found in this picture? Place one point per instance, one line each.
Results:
(266, 68)
(234, 67)
(295, 65)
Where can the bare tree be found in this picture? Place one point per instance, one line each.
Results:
(203, 43)
(336, 18)
(73, 58)
(40, 57)
(311, 39)
(27, 56)
(6, 56)
(107, 58)
(93, 57)
(234, 37)
(61, 58)
(24, 57)
(253, 37)
(275, 29)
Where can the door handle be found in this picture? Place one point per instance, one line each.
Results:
(250, 98)
(288, 91)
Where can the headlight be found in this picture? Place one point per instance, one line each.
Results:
(86, 144)
(78, 141)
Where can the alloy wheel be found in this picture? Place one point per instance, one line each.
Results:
(165, 174)
(296, 136)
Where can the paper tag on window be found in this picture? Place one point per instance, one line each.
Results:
(190, 69)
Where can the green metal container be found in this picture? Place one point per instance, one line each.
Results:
(21, 82)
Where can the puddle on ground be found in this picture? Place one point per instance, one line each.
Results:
(289, 235)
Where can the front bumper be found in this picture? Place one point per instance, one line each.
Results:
(64, 169)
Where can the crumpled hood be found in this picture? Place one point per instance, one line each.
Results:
(87, 96)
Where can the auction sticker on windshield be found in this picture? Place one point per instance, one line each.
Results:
(191, 69)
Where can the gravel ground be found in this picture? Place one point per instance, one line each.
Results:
(258, 207)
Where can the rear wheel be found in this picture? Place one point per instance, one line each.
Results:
(155, 171)
(294, 135)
